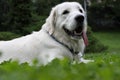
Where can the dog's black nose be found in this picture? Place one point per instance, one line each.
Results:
(79, 18)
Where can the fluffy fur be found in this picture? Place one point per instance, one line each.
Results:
(41, 46)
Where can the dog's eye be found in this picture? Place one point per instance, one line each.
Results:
(65, 12)
(81, 10)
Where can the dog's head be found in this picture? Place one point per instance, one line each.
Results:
(67, 18)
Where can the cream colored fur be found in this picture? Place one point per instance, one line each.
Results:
(41, 46)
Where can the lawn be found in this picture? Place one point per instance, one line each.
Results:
(111, 39)
(105, 67)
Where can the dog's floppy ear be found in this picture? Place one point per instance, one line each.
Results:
(50, 21)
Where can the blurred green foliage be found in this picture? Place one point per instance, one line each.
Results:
(35, 25)
(104, 15)
(8, 35)
(15, 14)
(94, 44)
(105, 67)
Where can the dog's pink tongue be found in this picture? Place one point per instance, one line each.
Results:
(85, 38)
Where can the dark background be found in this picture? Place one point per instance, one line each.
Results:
(16, 15)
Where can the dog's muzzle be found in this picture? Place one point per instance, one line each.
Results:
(77, 32)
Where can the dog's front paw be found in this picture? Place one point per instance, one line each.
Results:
(82, 60)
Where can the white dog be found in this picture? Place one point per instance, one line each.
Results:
(63, 35)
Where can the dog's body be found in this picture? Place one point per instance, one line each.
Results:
(38, 45)
(61, 36)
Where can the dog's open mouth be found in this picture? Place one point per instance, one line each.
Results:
(76, 33)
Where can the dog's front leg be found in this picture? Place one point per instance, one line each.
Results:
(79, 58)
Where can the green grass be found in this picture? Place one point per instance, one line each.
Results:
(111, 39)
(105, 67)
